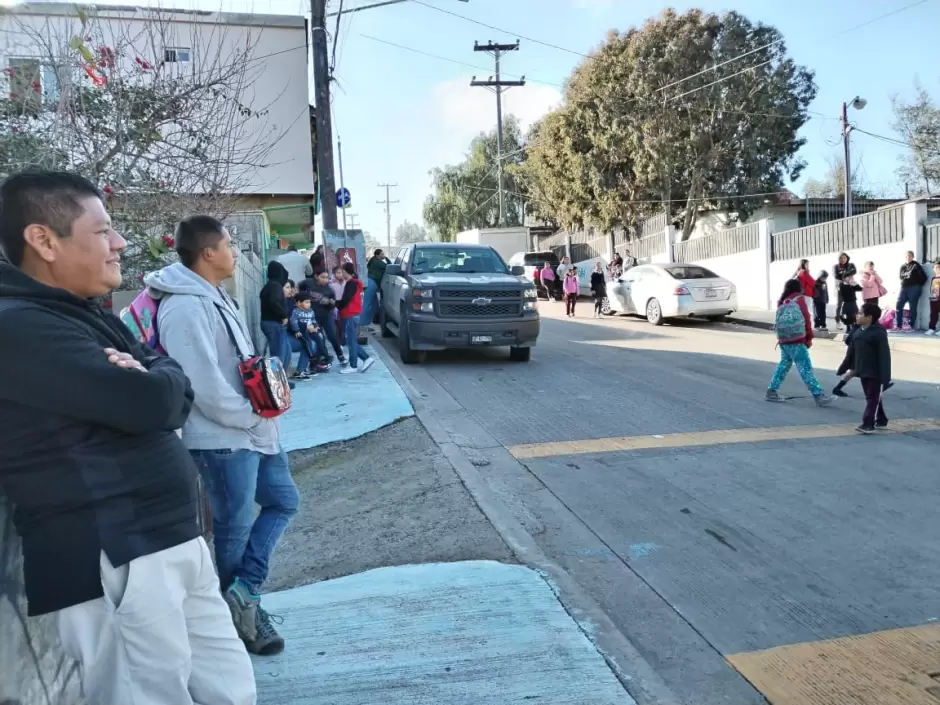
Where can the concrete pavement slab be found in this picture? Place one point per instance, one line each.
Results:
(332, 407)
(470, 633)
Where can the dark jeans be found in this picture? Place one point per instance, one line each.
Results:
(235, 480)
(328, 326)
(909, 295)
(350, 332)
(599, 302)
(819, 316)
(278, 341)
(874, 409)
(839, 302)
(571, 300)
(934, 314)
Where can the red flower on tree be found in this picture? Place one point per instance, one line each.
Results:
(108, 191)
(99, 80)
(143, 64)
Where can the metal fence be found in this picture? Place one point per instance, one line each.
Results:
(869, 230)
(932, 242)
(249, 278)
(653, 225)
(646, 248)
(589, 249)
(720, 244)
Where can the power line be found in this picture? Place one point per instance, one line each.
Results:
(339, 16)
(895, 141)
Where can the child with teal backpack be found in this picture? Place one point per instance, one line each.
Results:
(794, 328)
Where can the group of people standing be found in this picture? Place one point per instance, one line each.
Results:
(563, 281)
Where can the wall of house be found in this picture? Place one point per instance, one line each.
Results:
(275, 81)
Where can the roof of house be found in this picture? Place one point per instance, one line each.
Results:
(166, 14)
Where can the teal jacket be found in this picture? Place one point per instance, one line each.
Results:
(376, 269)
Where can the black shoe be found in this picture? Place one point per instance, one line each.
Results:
(888, 386)
(838, 392)
(865, 430)
(881, 427)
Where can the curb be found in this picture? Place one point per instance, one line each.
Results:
(634, 672)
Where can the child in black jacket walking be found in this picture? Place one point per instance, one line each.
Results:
(872, 366)
(598, 288)
(821, 300)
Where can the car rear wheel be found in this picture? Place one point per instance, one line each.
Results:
(383, 323)
(654, 312)
(407, 355)
(520, 354)
(605, 306)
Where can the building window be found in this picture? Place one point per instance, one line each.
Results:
(32, 81)
(177, 55)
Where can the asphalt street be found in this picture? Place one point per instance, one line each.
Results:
(711, 526)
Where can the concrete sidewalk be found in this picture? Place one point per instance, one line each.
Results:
(470, 633)
(918, 343)
(332, 407)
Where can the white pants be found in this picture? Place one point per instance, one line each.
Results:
(161, 635)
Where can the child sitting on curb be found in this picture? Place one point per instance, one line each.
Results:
(306, 339)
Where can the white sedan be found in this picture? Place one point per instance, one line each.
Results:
(661, 291)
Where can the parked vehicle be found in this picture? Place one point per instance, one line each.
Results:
(441, 295)
(662, 291)
(532, 261)
(504, 240)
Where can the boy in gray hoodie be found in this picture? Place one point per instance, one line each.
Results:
(238, 453)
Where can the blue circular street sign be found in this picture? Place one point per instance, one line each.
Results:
(343, 197)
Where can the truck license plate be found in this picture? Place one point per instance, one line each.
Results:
(481, 339)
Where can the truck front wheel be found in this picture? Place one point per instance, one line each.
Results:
(520, 354)
(407, 355)
(383, 323)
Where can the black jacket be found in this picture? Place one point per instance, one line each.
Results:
(841, 271)
(912, 274)
(88, 453)
(598, 284)
(821, 292)
(273, 301)
(872, 353)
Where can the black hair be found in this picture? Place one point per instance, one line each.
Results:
(792, 286)
(291, 282)
(303, 296)
(194, 234)
(49, 198)
(349, 268)
(337, 266)
(873, 310)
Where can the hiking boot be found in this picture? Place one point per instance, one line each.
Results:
(865, 430)
(823, 400)
(244, 606)
(267, 641)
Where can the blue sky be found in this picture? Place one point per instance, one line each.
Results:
(400, 113)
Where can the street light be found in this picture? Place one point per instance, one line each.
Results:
(858, 104)
(374, 5)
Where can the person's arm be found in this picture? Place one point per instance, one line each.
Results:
(294, 323)
(884, 357)
(188, 334)
(58, 366)
(349, 290)
(807, 320)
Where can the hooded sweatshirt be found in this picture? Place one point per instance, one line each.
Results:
(192, 331)
(273, 302)
(89, 455)
(571, 284)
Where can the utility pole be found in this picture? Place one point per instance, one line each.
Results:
(353, 217)
(388, 209)
(497, 85)
(859, 104)
(321, 79)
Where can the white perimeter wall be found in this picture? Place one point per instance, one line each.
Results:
(748, 272)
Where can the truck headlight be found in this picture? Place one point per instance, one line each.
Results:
(531, 294)
(532, 305)
(423, 307)
(422, 293)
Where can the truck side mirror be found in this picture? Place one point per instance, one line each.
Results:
(393, 270)
(517, 271)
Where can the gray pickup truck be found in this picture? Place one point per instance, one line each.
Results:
(443, 295)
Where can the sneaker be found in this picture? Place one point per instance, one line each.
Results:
(301, 376)
(343, 362)
(839, 392)
(865, 430)
(823, 400)
(366, 364)
(772, 395)
(348, 370)
(243, 605)
(931, 332)
(267, 641)
(881, 427)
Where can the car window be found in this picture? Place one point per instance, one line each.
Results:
(458, 260)
(538, 259)
(405, 258)
(690, 272)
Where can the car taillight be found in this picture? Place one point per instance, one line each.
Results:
(682, 291)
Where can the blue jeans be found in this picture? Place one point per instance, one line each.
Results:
(304, 347)
(351, 333)
(278, 341)
(370, 303)
(795, 355)
(909, 295)
(235, 480)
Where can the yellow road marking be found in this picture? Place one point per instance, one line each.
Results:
(707, 438)
(897, 667)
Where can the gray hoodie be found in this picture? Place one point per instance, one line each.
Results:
(192, 331)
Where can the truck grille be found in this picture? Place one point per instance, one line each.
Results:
(478, 293)
(468, 310)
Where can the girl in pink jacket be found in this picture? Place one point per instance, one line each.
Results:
(872, 286)
(572, 288)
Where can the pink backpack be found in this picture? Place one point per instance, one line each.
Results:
(141, 319)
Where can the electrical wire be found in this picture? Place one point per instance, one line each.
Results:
(895, 141)
(339, 16)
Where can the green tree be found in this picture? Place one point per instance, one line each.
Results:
(918, 123)
(465, 194)
(667, 115)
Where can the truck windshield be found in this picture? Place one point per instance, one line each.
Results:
(457, 260)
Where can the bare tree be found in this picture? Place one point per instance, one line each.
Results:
(164, 132)
(918, 123)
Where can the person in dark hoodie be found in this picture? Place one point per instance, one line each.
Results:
(844, 268)
(103, 489)
(872, 366)
(275, 313)
(821, 300)
(913, 279)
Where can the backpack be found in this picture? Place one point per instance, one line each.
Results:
(141, 319)
(790, 324)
